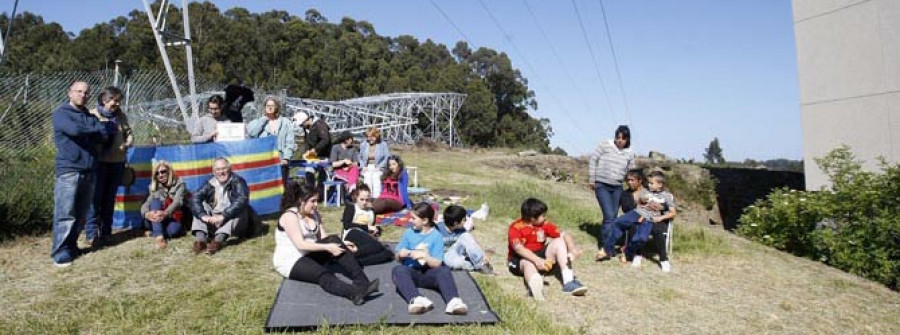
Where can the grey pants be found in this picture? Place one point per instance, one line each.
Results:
(236, 225)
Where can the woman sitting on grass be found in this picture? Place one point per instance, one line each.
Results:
(394, 183)
(303, 252)
(162, 209)
(421, 251)
(360, 231)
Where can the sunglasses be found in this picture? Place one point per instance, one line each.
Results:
(162, 172)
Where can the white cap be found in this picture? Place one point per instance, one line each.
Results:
(299, 118)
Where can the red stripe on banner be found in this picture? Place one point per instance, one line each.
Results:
(194, 172)
(143, 174)
(130, 198)
(255, 164)
(265, 185)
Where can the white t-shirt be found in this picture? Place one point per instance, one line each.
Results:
(286, 253)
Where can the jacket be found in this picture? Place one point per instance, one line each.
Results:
(285, 143)
(235, 188)
(176, 192)
(76, 134)
(318, 137)
(381, 154)
(124, 135)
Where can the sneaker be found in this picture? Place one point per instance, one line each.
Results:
(486, 269)
(369, 289)
(636, 262)
(419, 305)
(666, 267)
(574, 288)
(63, 264)
(481, 213)
(601, 256)
(199, 246)
(456, 307)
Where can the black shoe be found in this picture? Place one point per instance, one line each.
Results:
(371, 288)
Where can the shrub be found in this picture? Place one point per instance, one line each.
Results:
(26, 205)
(853, 226)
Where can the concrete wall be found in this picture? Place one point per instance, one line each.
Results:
(848, 57)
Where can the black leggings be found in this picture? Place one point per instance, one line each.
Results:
(314, 268)
(368, 250)
(660, 235)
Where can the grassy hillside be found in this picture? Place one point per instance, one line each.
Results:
(720, 283)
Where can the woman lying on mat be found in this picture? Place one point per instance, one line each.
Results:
(360, 232)
(421, 252)
(303, 252)
(394, 183)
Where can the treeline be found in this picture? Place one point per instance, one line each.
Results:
(308, 56)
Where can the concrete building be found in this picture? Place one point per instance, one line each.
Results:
(848, 58)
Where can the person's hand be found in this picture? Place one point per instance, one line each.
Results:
(217, 220)
(350, 246)
(541, 265)
(123, 147)
(654, 206)
(206, 219)
(373, 230)
(592, 186)
(418, 254)
(284, 162)
(334, 248)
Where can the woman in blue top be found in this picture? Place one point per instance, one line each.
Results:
(421, 251)
(373, 151)
(273, 124)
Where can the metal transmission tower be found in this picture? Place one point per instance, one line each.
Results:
(402, 117)
(165, 38)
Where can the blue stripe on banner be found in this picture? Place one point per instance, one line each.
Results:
(131, 216)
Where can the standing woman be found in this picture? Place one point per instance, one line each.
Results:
(273, 124)
(607, 167)
(162, 210)
(304, 253)
(111, 163)
(394, 196)
(373, 157)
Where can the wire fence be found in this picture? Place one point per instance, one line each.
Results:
(28, 100)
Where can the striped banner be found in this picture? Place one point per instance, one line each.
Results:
(256, 160)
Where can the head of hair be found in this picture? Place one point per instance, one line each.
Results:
(424, 211)
(276, 101)
(374, 132)
(453, 215)
(625, 132)
(659, 176)
(533, 208)
(400, 167)
(216, 99)
(296, 192)
(222, 159)
(360, 188)
(172, 178)
(109, 93)
(637, 173)
(343, 136)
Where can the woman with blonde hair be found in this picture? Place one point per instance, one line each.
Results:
(162, 210)
(373, 151)
(273, 124)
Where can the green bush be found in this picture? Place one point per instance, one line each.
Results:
(853, 226)
(26, 204)
(702, 191)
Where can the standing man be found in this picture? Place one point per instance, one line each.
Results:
(317, 144)
(76, 134)
(206, 129)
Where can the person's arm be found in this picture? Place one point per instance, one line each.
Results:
(671, 212)
(127, 132)
(69, 126)
(333, 156)
(197, 200)
(324, 138)
(255, 127)
(361, 155)
(145, 206)
(402, 185)
(382, 160)
(402, 250)
(205, 130)
(291, 144)
(517, 241)
(291, 226)
(241, 199)
(177, 199)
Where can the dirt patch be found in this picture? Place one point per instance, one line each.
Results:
(557, 168)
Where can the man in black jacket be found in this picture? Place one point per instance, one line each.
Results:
(221, 207)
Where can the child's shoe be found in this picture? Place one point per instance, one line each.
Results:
(636, 262)
(575, 288)
(666, 267)
(419, 305)
(601, 256)
(456, 307)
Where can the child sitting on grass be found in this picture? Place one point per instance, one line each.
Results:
(656, 208)
(462, 252)
(537, 246)
(360, 232)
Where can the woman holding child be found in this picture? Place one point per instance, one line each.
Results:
(420, 253)
(304, 252)
(607, 167)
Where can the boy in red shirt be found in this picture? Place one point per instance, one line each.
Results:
(532, 253)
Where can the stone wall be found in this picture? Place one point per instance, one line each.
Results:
(738, 188)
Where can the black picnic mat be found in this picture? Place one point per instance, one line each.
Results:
(305, 306)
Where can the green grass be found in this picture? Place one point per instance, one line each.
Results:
(720, 283)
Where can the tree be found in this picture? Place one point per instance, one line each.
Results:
(713, 154)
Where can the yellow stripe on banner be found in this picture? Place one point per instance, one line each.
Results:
(265, 193)
(141, 166)
(127, 206)
(204, 163)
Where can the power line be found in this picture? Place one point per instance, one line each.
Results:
(556, 55)
(612, 48)
(447, 17)
(528, 64)
(593, 57)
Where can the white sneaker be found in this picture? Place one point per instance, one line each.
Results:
(419, 305)
(456, 307)
(666, 267)
(482, 213)
(636, 262)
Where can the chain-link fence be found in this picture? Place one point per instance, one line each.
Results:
(27, 101)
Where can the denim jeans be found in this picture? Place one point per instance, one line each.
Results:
(72, 195)
(464, 254)
(168, 227)
(619, 226)
(608, 196)
(99, 219)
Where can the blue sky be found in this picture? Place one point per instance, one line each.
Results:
(691, 70)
